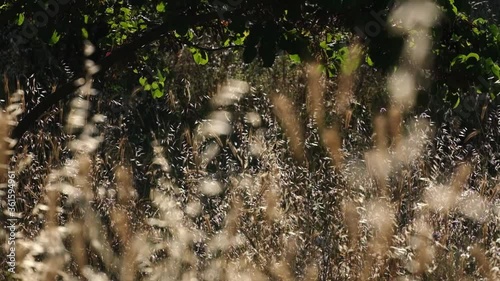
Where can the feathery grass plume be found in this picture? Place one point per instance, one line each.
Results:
(257, 143)
(283, 267)
(418, 16)
(15, 107)
(410, 147)
(394, 123)
(402, 87)
(126, 193)
(285, 112)
(415, 20)
(333, 142)
(440, 197)
(217, 124)
(232, 219)
(8, 119)
(77, 117)
(273, 210)
(209, 153)
(483, 263)
(443, 198)
(159, 157)
(315, 104)
(423, 246)
(133, 245)
(460, 177)
(78, 247)
(73, 182)
(229, 93)
(474, 206)
(379, 167)
(312, 273)
(381, 217)
(210, 187)
(378, 159)
(4, 148)
(344, 95)
(380, 132)
(83, 179)
(253, 118)
(52, 199)
(351, 220)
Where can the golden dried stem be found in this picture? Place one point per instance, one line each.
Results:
(284, 110)
(315, 105)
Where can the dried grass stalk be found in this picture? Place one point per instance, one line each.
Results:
(315, 105)
(284, 110)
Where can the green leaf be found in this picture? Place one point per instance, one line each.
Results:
(160, 7)
(125, 24)
(472, 55)
(239, 41)
(86, 19)
(190, 34)
(200, 57)
(154, 85)
(459, 57)
(369, 60)
(20, 19)
(457, 103)
(126, 11)
(453, 7)
(143, 81)
(85, 33)
(157, 94)
(479, 21)
(54, 38)
(295, 58)
(495, 31)
(495, 69)
(161, 78)
(147, 87)
(330, 73)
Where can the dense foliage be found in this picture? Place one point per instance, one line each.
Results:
(45, 38)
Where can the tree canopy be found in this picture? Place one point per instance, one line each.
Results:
(47, 36)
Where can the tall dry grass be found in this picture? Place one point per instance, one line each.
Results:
(325, 202)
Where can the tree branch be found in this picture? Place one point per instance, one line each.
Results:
(119, 54)
(207, 49)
